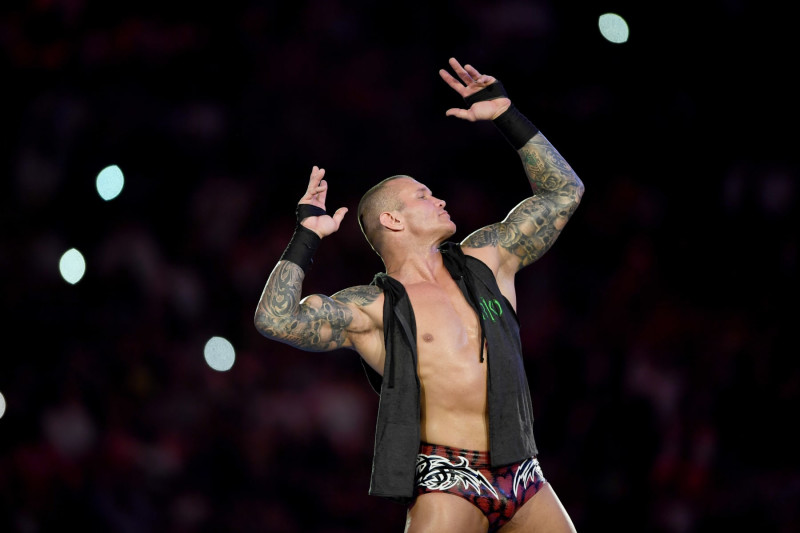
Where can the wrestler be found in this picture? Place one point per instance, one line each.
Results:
(438, 332)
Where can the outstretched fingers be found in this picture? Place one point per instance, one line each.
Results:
(460, 71)
(471, 82)
(472, 71)
(316, 195)
(322, 191)
(452, 82)
(476, 76)
(317, 188)
(315, 179)
(470, 75)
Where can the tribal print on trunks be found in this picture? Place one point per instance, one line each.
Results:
(498, 492)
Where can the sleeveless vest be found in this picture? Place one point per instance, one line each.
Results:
(397, 432)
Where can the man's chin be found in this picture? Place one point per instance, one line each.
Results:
(447, 232)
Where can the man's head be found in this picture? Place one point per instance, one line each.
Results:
(378, 199)
(400, 204)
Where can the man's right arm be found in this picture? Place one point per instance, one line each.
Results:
(317, 322)
(349, 319)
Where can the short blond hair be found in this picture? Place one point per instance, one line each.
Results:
(378, 199)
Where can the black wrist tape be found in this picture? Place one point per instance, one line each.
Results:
(302, 247)
(307, 210)
(490, 92)
(515, 127)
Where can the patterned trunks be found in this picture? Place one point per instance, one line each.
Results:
(498, 492)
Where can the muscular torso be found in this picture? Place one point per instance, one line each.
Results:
(452, 377)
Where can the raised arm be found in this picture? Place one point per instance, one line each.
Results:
(316, 322)
(532, 227)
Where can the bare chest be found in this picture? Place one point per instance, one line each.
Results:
(448, 330)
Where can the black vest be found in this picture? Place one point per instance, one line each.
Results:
(397, 433)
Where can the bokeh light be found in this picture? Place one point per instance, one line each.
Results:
(613, 28)
(72, 266)
(219, 354)
(109, 182)
(2, 405)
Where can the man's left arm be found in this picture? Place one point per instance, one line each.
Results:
(531, 228)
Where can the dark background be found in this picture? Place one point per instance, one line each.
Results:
(659, 331)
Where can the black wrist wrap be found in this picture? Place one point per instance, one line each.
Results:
(307, 210)
(490, 92)
(515, 127)
(305, 242)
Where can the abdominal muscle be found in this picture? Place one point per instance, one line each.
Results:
(452, 377)
(453, 409)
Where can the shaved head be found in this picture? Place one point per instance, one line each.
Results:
(375, 201)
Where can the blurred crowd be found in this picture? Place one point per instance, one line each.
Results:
(658, 330)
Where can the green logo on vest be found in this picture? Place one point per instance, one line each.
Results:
(491, 309)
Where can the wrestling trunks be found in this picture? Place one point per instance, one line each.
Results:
(498, 492)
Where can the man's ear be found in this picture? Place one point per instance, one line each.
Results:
(391, 221)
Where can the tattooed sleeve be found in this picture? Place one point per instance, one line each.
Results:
(316, 323)
(532, 227)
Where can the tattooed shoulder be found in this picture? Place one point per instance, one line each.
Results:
(482, 238)
(362, 295)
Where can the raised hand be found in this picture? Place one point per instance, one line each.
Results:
(474, 81)
(315, 195)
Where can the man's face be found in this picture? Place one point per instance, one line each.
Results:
(422, 212)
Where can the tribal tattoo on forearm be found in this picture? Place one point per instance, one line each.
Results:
(532, 227)
(316, 323)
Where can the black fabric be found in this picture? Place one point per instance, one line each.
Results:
(490, 92)
(304, 211)
(515, 127)
(397, 432)
(301, 248)
(510, 411)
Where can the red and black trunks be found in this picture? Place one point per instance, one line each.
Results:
(498, 492)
